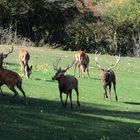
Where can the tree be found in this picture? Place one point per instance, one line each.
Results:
(121, 14)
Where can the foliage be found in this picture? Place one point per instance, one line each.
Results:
(121, 11)
(108, 26)
(38, 20)
(80, 36)
(122, 17)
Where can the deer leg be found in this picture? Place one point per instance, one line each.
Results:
(78, 103)
(79, 69)
(16, 93)
(66, 100)
(75, 67)
(61, 99)
(105, 94)
(88, 71)
(84, 71)
(1, 93)
(114, 84)
(21, 89)
(21, 66)
(26, 72)
(70, 98)
(110, 91)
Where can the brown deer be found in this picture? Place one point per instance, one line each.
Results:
(66, 84)
(10, 78)
(81, 63)
(108, 77)
(24, 58)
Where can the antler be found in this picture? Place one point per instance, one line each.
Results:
(117, 61)
(55, 67)
(96, 60)
(69, 66)
(5, 55)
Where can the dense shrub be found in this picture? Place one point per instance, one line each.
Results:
(105, 25)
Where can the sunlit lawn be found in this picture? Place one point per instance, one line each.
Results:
(96, 119)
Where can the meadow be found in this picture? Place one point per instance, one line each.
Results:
(45, 118)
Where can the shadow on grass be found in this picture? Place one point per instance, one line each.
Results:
(95, 78)
(11, 64)
(45, 119)
(41, 79)
(133, 103)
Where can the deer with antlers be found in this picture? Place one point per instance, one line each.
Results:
(24, 58)
(108, 77)
(66, 84)
(10, 78)
(81, 62)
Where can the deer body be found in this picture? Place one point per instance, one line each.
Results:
(66, 84)
(24, 58)
(10, 78)
(81, 62)
(77, 55)
(108, 77)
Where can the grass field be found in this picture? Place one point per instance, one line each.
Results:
(96, 119)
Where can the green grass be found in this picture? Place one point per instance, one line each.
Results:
(96, 119)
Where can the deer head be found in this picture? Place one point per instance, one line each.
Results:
(59, 71)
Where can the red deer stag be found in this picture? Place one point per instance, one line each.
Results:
(108, 77)
(24, 57)
(81, 62)
(10, 78)
(66, 84)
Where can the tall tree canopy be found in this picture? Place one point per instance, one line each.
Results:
(108, 26)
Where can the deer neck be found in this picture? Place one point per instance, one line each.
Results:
(27, 66)
(61, 78)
